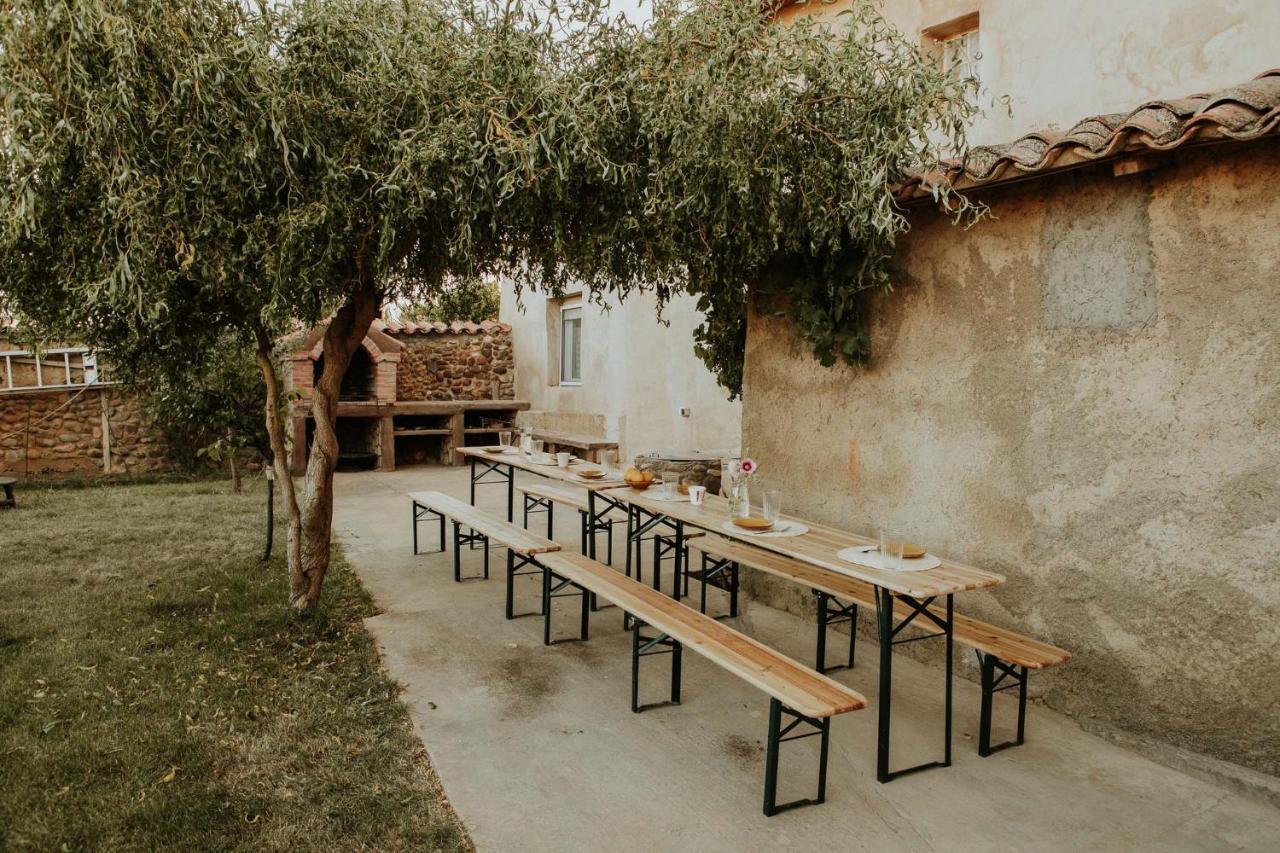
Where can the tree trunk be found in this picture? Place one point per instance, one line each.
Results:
(344, 335)
(280, 461)
(237, 487)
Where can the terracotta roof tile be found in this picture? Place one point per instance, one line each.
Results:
(1245, 112)
(436, 327)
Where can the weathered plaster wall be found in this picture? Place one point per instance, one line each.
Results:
(456, 367)
(1080, 393)
(1063, 60)
(60, 433)
(636, 376)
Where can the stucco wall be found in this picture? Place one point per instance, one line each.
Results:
(636, 376)
(1063, 60)
(1080, 393)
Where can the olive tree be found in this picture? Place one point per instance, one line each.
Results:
(217, 167)
(205, 165)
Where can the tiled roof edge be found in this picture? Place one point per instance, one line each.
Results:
(1244, 112)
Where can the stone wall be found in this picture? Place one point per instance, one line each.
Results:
(1079, 393)
(456, 366)
(60, 433)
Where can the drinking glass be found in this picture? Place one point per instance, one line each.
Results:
(609, 459)
(773, 504)
(504, 437)
(670, 480)
(891, 546)
(535, 447)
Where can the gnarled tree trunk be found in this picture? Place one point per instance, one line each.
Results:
(343, 336)
(280, 458)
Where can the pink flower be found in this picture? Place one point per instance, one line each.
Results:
(747, 466)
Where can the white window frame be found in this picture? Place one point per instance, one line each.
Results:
(88, 364)
(570, 313)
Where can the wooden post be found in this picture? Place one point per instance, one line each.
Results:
(459, 437)
(386, 433)
(106, 432)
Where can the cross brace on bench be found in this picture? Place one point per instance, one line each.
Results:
(469, 539)
(832, 612)
(421, 512)
(644, 646)
(1017, 677)
(778, 735)
(552, 588)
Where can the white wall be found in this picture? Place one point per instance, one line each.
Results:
(1062, 60)
(636, 375)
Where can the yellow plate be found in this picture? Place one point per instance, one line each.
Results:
(591, 474)
(753, 523)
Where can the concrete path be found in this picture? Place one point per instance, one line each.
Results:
(539, 751)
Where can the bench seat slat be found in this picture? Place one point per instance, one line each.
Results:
(516, 538)
(1004, 644)
(792, 683)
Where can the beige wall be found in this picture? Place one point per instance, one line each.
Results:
(1059, 61)
(1080, 393)
(636, 375)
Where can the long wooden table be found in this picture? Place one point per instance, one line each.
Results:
(501, 468)
(819, 548)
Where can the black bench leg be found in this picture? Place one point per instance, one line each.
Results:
(1011, 675)
(779, 735)
(829, 615)
(511, 584)
(642, 646)
(550, 591)
(419, 512)
(470, 539)
(457, 552)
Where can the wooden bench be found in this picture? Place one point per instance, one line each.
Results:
(542, 496)
(522, 546)
(803, 695)
(9, 501)
(998, 649)
(590, 445)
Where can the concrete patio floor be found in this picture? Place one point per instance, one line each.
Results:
(538, 749)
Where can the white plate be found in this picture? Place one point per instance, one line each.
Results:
(872, 560)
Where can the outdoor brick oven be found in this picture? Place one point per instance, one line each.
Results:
(412, 393)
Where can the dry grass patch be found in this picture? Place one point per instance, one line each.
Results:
(155, 693)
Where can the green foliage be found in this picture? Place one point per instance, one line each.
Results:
(471, 299)
(231, 164)
(208, 402)
(756, 158)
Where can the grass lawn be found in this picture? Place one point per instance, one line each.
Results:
(155, 693)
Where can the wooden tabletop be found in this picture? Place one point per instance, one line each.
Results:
(567, 475)
(818, 547)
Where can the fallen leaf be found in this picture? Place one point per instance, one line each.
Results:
(170, 776)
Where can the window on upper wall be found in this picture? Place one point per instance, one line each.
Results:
(571, 344)
(955, 43)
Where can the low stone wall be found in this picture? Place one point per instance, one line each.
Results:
(61, 433)
(456, 366)
(705, 472)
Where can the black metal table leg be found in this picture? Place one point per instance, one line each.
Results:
(887, 631)
(884, 616)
